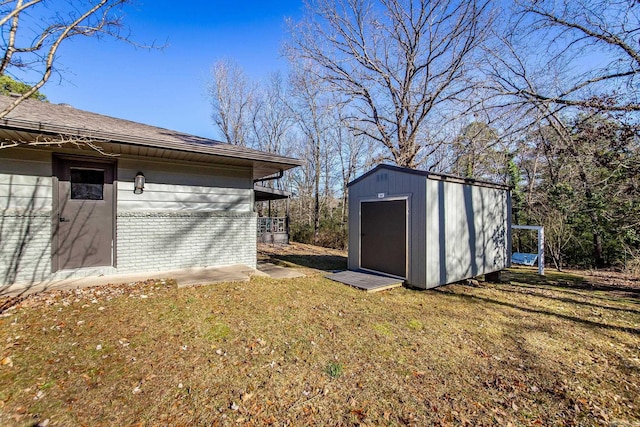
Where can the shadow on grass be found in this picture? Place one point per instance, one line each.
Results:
(523, 289)
(530, 275)
(573, 285)
(319, 262)
(590, 323)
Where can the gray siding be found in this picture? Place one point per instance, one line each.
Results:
(25, 247)
(467, 231)
(25, 180)
(183, 187)
(25, 215)
(189, 215)
(456, 230)
(393, 184)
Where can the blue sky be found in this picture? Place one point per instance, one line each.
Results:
(167, 88)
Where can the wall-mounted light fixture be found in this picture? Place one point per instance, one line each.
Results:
(138, 183)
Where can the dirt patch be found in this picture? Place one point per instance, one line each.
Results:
(303, 255)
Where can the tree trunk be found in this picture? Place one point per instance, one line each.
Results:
(598, 253)
(316, 207)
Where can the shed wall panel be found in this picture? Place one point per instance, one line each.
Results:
(467, 231)
(393, 184)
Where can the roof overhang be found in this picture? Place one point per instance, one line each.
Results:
(133, 139)
(263, 194)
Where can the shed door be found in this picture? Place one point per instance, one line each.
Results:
(84, 229)
(383, 241)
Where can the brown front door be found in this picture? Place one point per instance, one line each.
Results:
(83, 235)
(383, 241)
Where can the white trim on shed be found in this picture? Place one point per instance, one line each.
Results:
(456, 228)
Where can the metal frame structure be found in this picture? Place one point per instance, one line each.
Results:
(540, 230)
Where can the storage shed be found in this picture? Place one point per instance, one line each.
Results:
(82, 194)
(429, 229)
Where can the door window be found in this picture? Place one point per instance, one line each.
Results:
(87, 184)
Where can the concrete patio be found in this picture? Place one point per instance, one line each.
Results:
(184, 277)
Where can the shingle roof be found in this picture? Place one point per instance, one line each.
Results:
(33, 117)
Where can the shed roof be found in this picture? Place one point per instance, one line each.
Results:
(33, 118)
(432, 175)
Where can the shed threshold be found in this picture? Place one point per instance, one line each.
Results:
(369, 282)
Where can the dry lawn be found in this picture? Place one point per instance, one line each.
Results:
(559, 351)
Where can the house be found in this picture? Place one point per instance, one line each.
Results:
(428, 229)
(84, 194)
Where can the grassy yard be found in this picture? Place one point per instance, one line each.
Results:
(558, 351)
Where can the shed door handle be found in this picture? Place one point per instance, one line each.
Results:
(63, 219)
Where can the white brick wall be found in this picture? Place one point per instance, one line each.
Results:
(25, 246)
(155, 241)
(145, 242)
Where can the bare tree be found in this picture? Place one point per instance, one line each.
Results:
(59, 141)
(395, 62)
(271, 119)
(232, 98)
(353, 154)
(312, 112)
(570, 53)
(271, 126)
(479, 153)
(34, 30)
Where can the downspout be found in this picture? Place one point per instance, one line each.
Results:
(270, 178)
